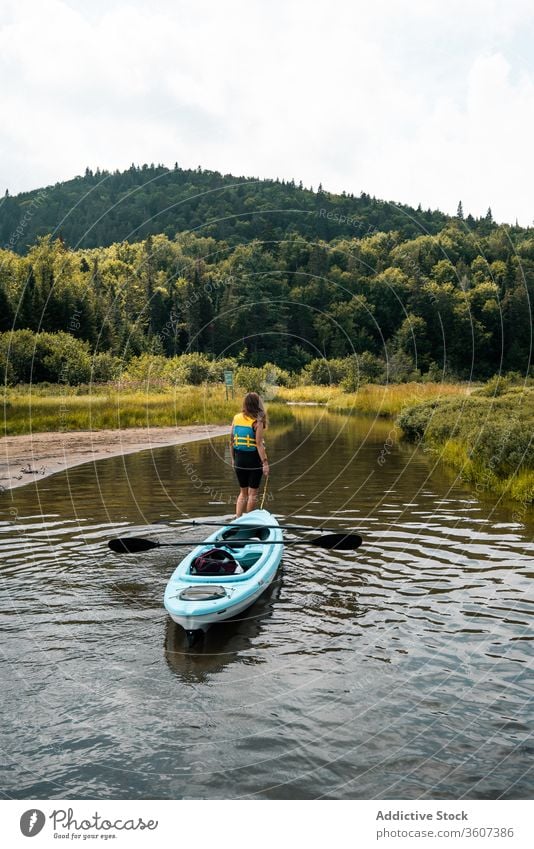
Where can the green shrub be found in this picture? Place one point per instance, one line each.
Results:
(323, 372)
(146, 367)
(105, 367)
(277, 376)
(361, 369)
(504, 384)
(414, 420)
(496, 386)
(188, 369)
(219, 366)
(435, 373)
(62, 358)
(28, 357)
(251, 379)
(401, 368)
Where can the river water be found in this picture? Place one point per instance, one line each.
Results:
(402, 670)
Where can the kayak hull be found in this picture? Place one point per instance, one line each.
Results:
(198, 601)
(202, 623)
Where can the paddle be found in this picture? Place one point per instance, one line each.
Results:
(337, 542)
(247, 525)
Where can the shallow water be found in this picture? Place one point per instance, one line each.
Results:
(403, 670)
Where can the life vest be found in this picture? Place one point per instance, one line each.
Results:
(244, 435)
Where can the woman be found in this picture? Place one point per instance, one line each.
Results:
(248, 451)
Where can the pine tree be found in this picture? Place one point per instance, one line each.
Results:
(150, 277)
(6, 311)
(96, 277)
(27, 317)
(460, 211)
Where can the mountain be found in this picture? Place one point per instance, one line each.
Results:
(102, 208)
(168, 262)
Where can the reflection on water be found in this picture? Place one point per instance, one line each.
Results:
(402, 670)
(223, 644)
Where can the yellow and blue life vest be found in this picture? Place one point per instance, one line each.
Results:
(244, 436)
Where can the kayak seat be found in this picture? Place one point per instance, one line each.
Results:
(247, 557)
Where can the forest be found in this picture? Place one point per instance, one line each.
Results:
(101, 208)
(450, 302)
(447, 305)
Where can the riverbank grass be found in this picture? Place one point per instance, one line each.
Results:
(488, 440)
(54, 409)
(372, 399)
(42, 408)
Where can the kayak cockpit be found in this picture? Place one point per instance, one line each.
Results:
(252, 552)
(246, 556)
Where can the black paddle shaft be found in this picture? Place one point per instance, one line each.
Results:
(250, 525)
(337, 542)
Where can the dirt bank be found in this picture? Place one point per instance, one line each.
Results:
(27, 458)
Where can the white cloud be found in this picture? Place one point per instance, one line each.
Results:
(410, 101)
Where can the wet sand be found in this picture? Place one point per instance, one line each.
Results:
(24, 459)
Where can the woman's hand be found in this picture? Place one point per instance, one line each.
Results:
(265, 468)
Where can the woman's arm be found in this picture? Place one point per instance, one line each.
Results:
(232, 445)
(261, 448)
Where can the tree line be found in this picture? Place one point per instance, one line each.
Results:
(451, 304)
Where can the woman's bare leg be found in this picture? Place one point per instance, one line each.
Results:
(252, 499)
(241, 502)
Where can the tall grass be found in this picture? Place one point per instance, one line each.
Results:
(27, 411)
(372, 399)
(489, 440)
(519, 485)
(390, 400)
(306, 394)
(41, 408)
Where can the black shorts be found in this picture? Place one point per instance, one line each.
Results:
(248, 468)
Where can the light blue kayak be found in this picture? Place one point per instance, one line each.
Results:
(197, 601)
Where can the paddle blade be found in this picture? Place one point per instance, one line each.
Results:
(338, 542)
(130, 545)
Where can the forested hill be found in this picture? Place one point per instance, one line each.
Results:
(103, 208)
(152, 261)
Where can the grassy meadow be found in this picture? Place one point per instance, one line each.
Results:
(42, 408)
(58, 408)
(372, 399)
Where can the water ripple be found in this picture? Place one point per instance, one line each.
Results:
(399, 671)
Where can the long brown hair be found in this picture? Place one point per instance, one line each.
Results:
(253, 406)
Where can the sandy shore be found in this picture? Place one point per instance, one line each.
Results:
(24, 459)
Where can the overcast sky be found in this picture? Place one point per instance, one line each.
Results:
(416, 101)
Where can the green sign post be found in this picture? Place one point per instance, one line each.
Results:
(229, 382)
